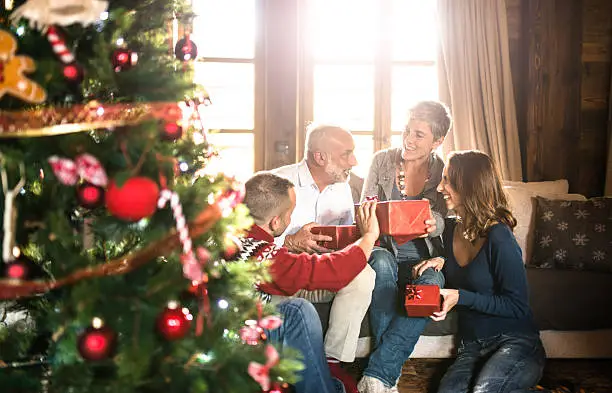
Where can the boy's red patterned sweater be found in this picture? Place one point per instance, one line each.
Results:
(291, 272)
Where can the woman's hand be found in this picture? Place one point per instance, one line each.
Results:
(430, 225)
(451, 297)
(436, 263)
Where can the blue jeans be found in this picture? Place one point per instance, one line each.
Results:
(301, 330)
(505, 363)
(395, 333)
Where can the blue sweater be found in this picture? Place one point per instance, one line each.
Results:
(493, 292)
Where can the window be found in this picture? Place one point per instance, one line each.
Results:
(361, 64)
(224, 32)
(366, 62)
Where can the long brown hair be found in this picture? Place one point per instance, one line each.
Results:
(472, 174)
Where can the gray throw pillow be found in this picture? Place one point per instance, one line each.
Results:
(573, 234)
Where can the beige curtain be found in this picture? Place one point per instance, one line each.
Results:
(475, 81)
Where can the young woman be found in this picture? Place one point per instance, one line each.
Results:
(500, 348)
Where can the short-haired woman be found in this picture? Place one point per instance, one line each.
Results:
(411, 171)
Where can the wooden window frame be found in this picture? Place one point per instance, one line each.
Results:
(383, 68)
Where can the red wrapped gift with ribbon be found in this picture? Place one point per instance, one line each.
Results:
(403, 220)
(342, 235)
(422, 300)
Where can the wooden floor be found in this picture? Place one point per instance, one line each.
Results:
(580, 376)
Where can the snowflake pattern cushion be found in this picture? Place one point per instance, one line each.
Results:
(573, 234)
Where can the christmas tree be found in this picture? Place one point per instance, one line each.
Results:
(117, 245)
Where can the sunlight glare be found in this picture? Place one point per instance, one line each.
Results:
(343, 29)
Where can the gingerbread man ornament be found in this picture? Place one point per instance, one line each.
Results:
(12, 69)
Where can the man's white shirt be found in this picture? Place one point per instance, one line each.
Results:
(332, 206)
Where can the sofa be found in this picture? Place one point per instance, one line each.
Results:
(570, 302)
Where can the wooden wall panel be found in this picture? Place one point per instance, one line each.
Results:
(518, 65)
(553, 89)
(561, 62)
(596, 62)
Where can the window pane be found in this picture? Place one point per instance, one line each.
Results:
(231, 90)
(396, 140)
(364, 149)
(344, 95)
(411, 84)
(414, 30)
(342, 29)
(236, 155)
(224, 28)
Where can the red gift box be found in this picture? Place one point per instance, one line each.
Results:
(404, 220)
(422, 300)
(342, 235)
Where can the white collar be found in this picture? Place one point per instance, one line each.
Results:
(304, 176)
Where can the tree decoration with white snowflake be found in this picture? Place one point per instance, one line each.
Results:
(44, 13)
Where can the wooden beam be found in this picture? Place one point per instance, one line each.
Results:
(553, 89)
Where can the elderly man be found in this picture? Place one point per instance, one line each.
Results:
(323, 197)
(323, 194)
(271, 202)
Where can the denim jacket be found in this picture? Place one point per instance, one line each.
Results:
(380, 181)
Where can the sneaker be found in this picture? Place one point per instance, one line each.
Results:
(350, 385)
(372, 385)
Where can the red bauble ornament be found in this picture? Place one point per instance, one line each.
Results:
(22, 268)
(123, 59)
(97, 342)
(133, 201)
(17, 270)
(174, 322)
(90, 196)
(73, 72)
(171, 131)
(185, 49)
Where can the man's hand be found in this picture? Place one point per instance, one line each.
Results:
(306, 241)
(367, 221)
(451, 297)
(368, 226)
(436, 263)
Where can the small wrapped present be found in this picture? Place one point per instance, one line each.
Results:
(342, 235)
(422, 300)
(404, 220)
